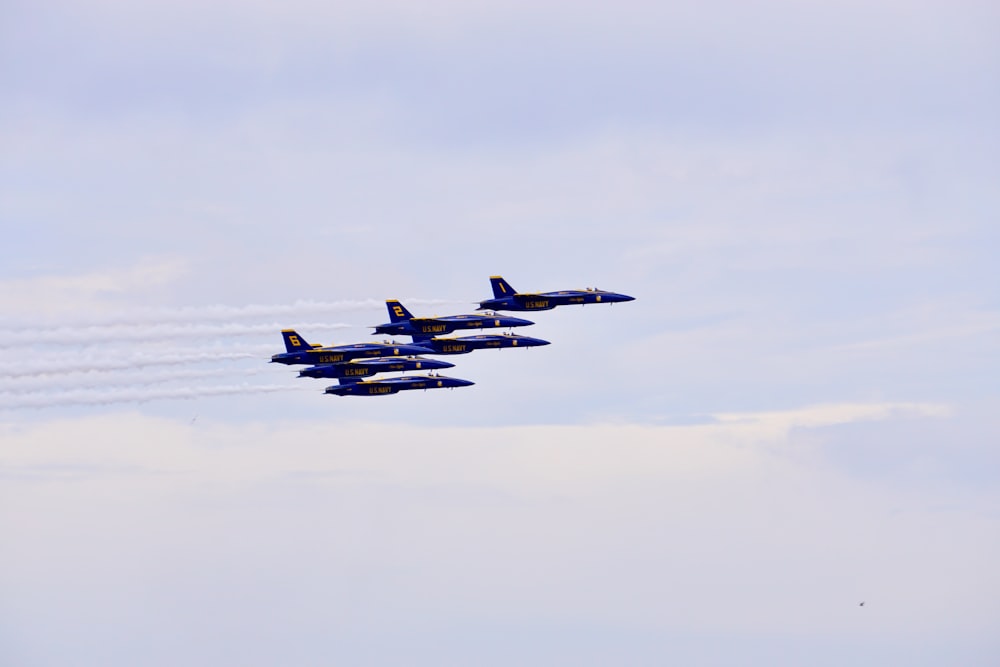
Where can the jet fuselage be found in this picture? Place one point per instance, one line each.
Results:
(395, 385)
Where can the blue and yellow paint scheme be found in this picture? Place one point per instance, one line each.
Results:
(384, 387)
(466, 344)
(360, 368)
(298, 351)
(506, 297)
(403, 323)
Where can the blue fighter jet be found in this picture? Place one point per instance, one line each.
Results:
(403, 323)
(365, 367)
(394, 385)
(467, 344)
(298, 351)
(506, 297)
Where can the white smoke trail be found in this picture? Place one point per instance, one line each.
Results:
(111, 334)
(83, 364)
(131, 395)
(118, 379)
(215, 313)
(99, 360)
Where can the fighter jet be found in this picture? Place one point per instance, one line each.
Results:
(394, 385)
(366, 367)
(298, 351)
(506, 297)
(466, 344)
(403, 323)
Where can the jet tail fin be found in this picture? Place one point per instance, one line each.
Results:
(397, 311)
(501, 287)
(294, 342)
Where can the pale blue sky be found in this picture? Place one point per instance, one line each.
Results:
(798, 412)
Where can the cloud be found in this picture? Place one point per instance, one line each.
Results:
(777, 425)
(84, 292)
(708, 530)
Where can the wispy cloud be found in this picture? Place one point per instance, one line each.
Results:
(65, 294)
(774, 425)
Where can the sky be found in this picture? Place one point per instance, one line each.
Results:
(800, 411)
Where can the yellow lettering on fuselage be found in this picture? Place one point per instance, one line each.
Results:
(433, 328)
(536, 304)
(453, 348)
(379, 390)
(330, 358)
(360, 370)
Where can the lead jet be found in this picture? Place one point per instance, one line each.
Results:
(360, 368)
(467, 344)
(506, 297)
(403, 323)
(298, 351)
(394, 385)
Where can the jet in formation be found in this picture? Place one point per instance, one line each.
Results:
(298, 351)
(465, 344)
(403, 323)
(383, 387)
(421, 331)
(360, 368)
(506, 297)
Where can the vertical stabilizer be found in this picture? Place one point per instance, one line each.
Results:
(501, 288)
(293, 341)
(397, 311)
